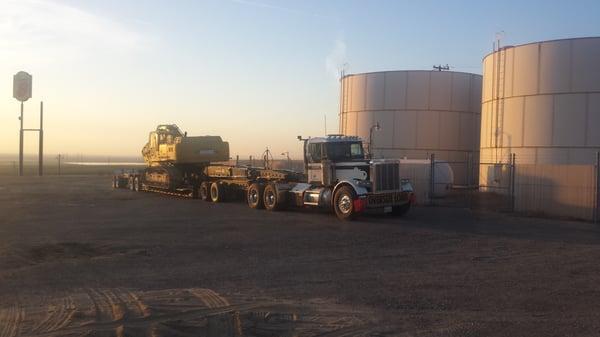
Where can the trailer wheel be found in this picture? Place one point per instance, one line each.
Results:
(400, 210)
(273, 200)
(217, 192)
(254, 197)
(343, 203)
(204, 191)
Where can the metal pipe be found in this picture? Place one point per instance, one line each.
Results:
(512, 181)
(41, 149)
(21, 143)
(431, 177)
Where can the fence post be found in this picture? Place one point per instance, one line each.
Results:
(597, 189)
(431, 177)
(512, 181)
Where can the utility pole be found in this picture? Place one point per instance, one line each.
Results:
(59, 158)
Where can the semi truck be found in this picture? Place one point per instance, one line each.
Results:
(337, 175)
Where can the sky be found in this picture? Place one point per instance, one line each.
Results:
(256, 72)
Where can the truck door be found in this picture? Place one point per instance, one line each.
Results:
(314, 156)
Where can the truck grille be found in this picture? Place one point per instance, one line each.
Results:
(385, 176)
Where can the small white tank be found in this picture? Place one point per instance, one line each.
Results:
(417, 170)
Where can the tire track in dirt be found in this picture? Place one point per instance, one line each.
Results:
(10, 320)
(142, 308)
(210, 298)
(117, 306)
(59, 316)
(145, 322)
(351, 331)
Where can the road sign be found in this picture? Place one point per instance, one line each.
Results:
(22, 86)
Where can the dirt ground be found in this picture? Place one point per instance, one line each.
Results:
(80, 259)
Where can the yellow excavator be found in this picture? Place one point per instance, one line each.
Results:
(175, 161)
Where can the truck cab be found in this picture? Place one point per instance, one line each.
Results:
(340, 176)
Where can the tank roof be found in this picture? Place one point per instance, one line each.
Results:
(410, 71)
(543, 41)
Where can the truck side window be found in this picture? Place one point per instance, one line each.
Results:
(315, 153)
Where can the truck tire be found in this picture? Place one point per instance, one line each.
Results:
(217, 192)
(254, 197)
(400, 210)
(131, 184)
(343, 203)
(273, 200)
(205, 191)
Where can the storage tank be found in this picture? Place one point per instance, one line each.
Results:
(541, 101)
(420, 112)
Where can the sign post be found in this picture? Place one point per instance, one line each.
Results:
(22, 87)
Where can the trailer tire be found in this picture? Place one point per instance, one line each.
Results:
(217, 192)
(204, 191)
(254, 197)
(343, 203)
(272, 199)
(400, 210)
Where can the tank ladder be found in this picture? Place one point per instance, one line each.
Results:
(498, 98)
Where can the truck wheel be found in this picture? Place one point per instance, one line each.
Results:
(400, 210)
(343, 203)
(205, 191)
(254, 196)
(217, 192)
(131, 184)
(273, 201)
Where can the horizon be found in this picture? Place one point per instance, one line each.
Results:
(256, 73)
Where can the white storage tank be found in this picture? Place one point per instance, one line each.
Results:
(541, 101)
(420, 112)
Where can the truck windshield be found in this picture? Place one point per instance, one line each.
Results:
(339, 151)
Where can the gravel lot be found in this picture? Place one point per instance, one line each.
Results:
(80, 259)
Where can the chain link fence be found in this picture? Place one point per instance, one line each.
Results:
(557, 190)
